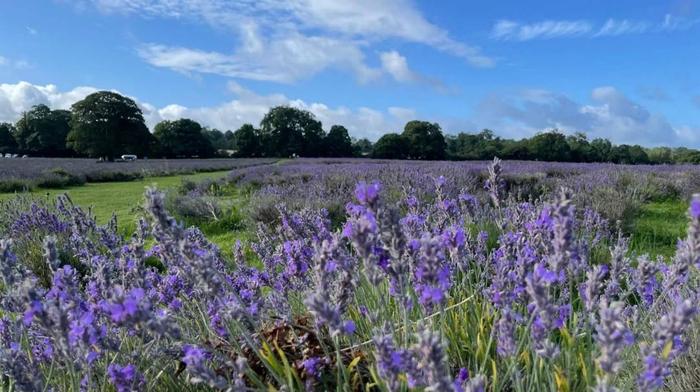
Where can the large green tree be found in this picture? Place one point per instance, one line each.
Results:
(248, 142)
(425, 140)
(481, 146)
(7, 140)
(287, 131)
(338, 142)
(391, 146)
(182, 138)
(106, 124)
(580, 148)
(629, 155)
(549, 146)
(42, 131)
(601, 150)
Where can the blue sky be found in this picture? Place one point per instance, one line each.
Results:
(626, 70)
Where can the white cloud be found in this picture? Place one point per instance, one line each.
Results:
(308, 34)
(19, 97)
(32, 31)
(610, 114)
(396, 65)
(246, 107)
(518, 31)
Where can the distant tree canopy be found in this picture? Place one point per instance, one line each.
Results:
(480, 146)
(288, 131)
(42, 131)
(182, 138)
(338, 142)
(217, 139)
(391, 146)
(425, 140)
(7, 140)
(248, 142)
(553, 145)
(106, 124)
(549, 146)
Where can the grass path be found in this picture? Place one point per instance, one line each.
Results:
(122, 198)
(658, 226)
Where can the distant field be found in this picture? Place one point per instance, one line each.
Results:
(32, 168)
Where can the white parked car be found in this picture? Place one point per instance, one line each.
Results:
(128, 157)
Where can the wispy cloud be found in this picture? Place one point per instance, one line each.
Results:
(301, 37)
(509, 30)
(614, 27)
(284, 59)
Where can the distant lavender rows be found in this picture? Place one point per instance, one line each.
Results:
(613, 190)
(305, 170)
(31, 168)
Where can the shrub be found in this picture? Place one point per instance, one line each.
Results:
(113, 176)
(11, 185)
(59, 178)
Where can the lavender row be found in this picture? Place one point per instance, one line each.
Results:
(30, 168)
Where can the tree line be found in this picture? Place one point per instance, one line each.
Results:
(107, 125)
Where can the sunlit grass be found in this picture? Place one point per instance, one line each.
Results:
(121, 198)
(658, 226)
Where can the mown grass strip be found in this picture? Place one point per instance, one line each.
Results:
(658, 226)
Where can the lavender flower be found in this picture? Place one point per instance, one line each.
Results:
(590, 290)
(544, 317)
(495, 183)
(432, 361)
(506, 344)
(612, 336)
(666, 345)
(125, 378)
(392, 362)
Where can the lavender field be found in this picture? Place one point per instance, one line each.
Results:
(355, 274)
(18, 174)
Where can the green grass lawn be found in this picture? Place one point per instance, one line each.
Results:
(123, 198)
(658, 226)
